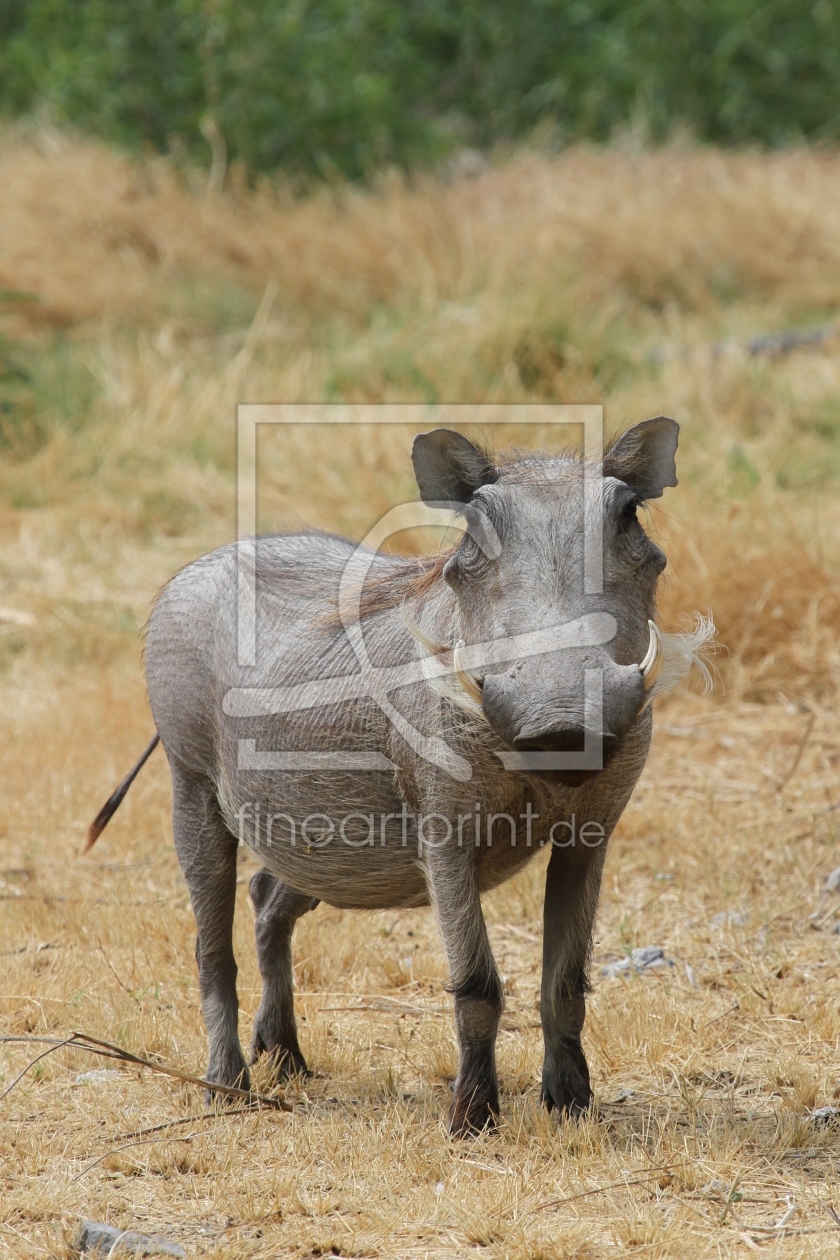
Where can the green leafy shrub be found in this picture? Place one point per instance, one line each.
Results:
(350, 85)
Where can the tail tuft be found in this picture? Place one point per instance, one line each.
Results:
(114, 801)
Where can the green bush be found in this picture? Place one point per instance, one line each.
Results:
(350, 85)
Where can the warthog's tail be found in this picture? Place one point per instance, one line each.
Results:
(114, 801)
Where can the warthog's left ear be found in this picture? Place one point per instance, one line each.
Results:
(448, 468)
(644, 456)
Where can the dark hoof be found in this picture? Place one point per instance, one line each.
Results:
(472, 1114)
(285, 1061)
(233, 1074)
(565, 1086)
(567, 1102)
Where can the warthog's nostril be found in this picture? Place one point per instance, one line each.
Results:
(562, 739)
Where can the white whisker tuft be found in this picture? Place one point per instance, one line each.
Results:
(684, 651)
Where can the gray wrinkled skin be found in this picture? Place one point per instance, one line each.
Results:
(536, 507)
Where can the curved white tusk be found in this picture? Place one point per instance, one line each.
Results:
(651, 666)
(466, 677)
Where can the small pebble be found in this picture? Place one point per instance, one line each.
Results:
(96, 1239)
(822, 1116)
(624, 1095)
(728, 918)
(721, 1189)
(832, 884)
(98, 1076)
(645, 958)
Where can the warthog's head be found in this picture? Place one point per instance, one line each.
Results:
(549, 543)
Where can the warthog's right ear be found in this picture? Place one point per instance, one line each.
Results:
(449, 468)
(644, 456)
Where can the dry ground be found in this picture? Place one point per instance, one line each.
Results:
(626, 277)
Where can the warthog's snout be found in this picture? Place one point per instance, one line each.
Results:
(563, 738)
(542, 706)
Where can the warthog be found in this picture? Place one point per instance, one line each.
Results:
(371, 759)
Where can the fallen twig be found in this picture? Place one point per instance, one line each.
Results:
(106, 1049)
(806, 735)
(731, 1197)
(113, 972)
(736, 1006)
(171, 1124)
(614, 1185)
(54, 1045)
(787, 1214)
(402, 1009)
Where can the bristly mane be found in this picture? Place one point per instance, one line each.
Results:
(410, 581)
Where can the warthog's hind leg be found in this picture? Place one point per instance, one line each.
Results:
(207, 853)
(275, 1030)
(571, 898)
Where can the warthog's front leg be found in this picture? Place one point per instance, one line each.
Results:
(571, 898)
(278, 908)
(207, 853)
(474, 981)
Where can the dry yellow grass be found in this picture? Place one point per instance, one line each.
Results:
(159, 309)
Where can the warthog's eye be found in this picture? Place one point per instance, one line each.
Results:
(628, 517)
